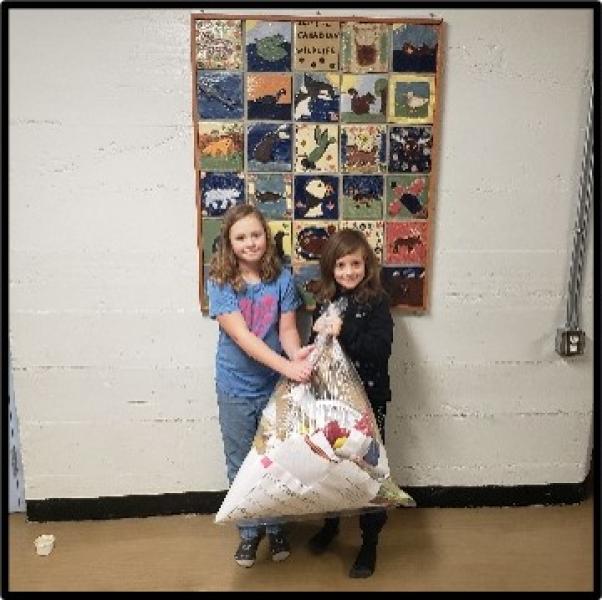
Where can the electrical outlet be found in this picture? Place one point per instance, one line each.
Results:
(570, 342)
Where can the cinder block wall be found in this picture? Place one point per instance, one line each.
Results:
(113, 362)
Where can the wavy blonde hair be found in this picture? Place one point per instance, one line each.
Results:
(224, 264)
(341, 243)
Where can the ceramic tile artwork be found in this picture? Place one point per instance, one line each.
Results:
(363, 197)
(271, 193)
(363, 148)
(316, 148)
(321, 124)
(221, 146)
(211, 233)
(374, 232)
(317, 97)
(365, 47)
(282, 234)
(219, 44)
(407, 197)
(411, 99)
(316, 197)
(406, 242)
(268, 45)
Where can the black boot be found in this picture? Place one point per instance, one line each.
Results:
(365, 563)
(319, 542)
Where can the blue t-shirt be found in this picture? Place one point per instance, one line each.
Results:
(261, 305)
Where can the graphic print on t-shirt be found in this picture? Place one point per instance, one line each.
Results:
(259, 315)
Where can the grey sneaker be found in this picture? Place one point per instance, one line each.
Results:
(279, 546)
(247, 551)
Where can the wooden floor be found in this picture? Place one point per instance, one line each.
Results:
(506, 549)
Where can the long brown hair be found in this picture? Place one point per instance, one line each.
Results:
(224, 265)
(341, 243)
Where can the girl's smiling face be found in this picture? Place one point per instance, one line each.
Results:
(248, 240)
(349, 270)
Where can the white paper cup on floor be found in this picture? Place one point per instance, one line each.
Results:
(44, 544)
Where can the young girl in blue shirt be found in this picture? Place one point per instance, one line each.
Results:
(254, 301)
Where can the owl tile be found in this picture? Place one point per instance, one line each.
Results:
(365, 47)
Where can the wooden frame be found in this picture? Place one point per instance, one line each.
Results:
(410, 121)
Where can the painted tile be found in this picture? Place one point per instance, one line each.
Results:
(268, 45)
(363, 197)
(411, 99)
(363, 98)
(406, 242)
(316, 148)
(309, 238)
(363, 148)
(220, 191)
(410, 149)
(317, 97)
(271, 194)
(316, 197)
(407, 197)
(414, 48)
(282, 234)
(269, 96)
(211, 237)
(219, 44)
(307, 277)
(372, 230)
(405, 285)
(219, 95)
(317, 45)
(269, 147)
(365, 47)
(221, 146)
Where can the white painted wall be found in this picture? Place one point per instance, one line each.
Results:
(113, 362)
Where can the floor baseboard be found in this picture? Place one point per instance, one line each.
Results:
(120, 507)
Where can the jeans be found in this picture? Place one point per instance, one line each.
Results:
(238, 420)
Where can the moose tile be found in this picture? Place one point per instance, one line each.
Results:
(316, 197)
(269, 96)
(221, 146)
(365, 47)
(363, 197)
(309, 238)
(269, 147)
(411, 99)
(268, 45)
(372, 230)
(283, 240)
(363, 148)
(407, 197)
(363, 98)
(219, 44)
(406, 242)
(405, 285)
(410, 149)
(219, 95)
(316, 148)
(414, 48)
(271, 193)
(317, 97)
(220, 191)
(317, 45)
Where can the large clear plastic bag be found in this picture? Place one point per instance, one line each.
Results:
(317, 451)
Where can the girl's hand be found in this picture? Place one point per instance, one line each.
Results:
(330, 326)
(298, 370)
(303, 353)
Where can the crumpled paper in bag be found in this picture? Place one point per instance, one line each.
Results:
(317, 450)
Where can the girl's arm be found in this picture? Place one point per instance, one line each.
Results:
(235, 326)
(371, 337)
(289, 337)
